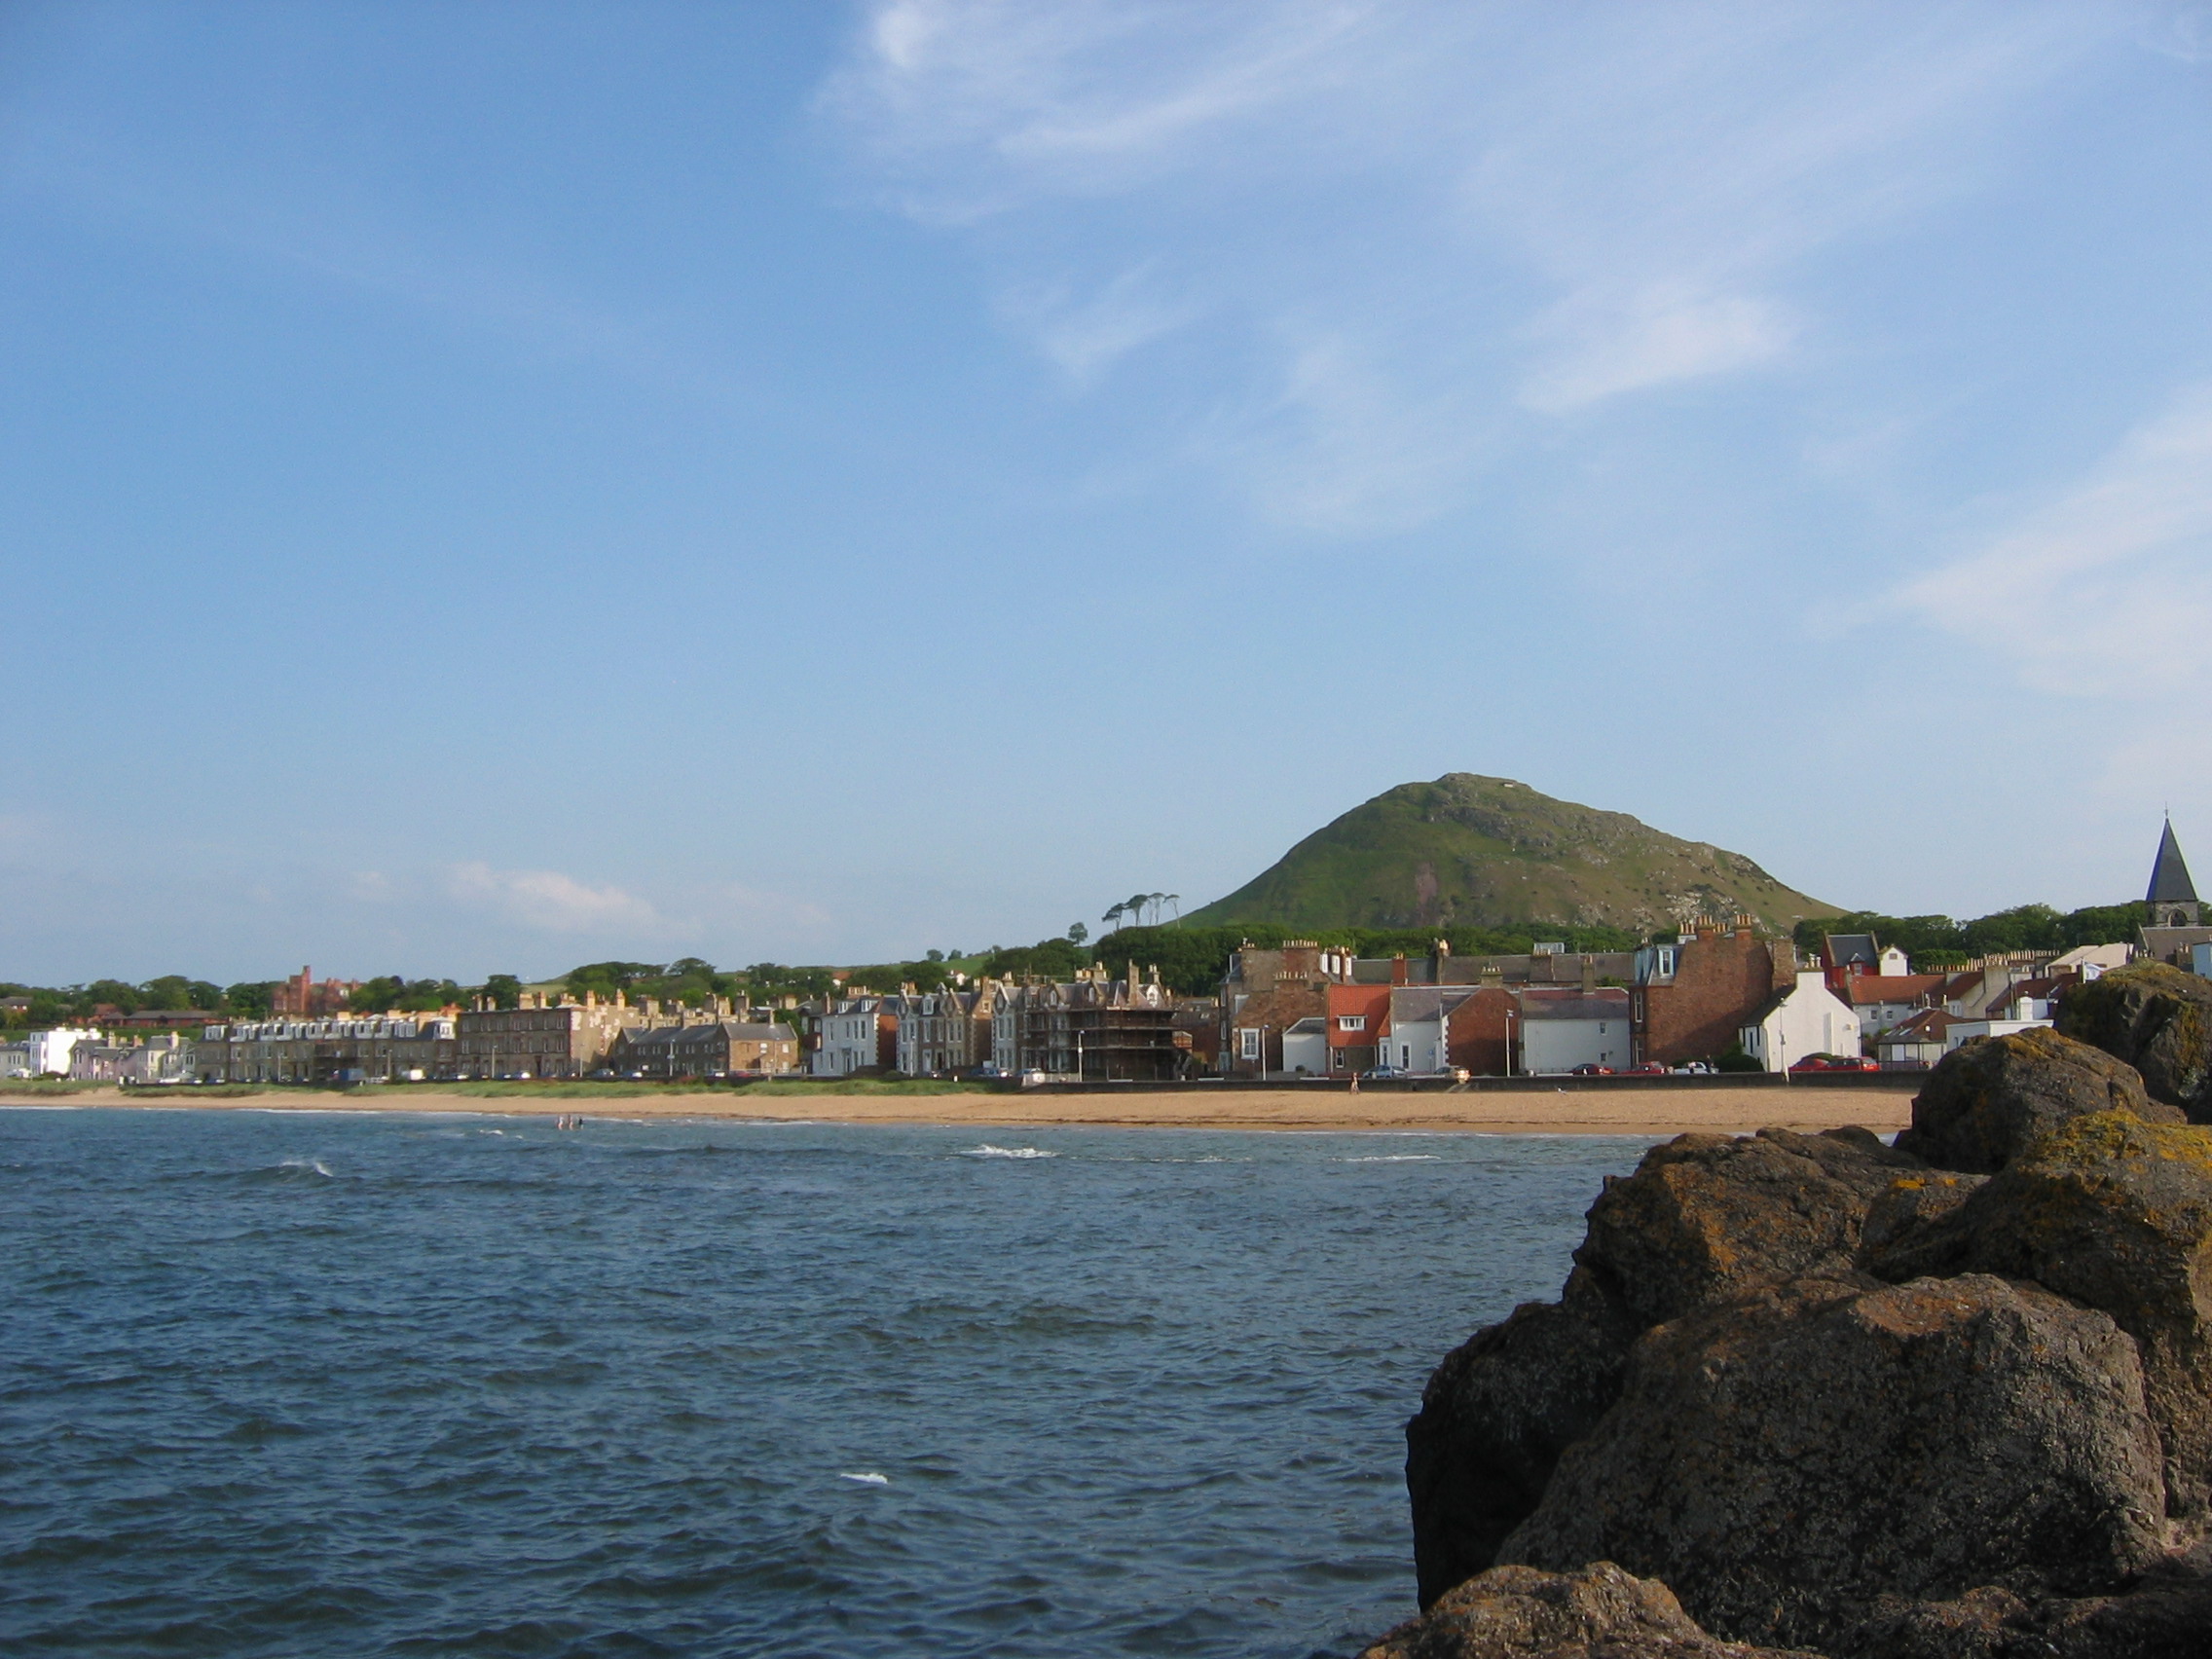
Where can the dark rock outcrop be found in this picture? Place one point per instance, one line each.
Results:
(1783, 1459)
(2115, 1213)
(2161, 1618)
(1988, 1101)
(1494, 1418)
(1517, 1612)
(1836, 1396)
(1704, 1217)
(2157, 1018)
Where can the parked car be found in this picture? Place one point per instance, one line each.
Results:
(1373, 1074)
(1591, 1068)
(1650, 1068)
(1693, 1069)
(1835, 1063)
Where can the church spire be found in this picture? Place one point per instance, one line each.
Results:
(2172, 897)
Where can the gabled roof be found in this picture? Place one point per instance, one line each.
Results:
(1867, 988)
(1606, 1004)
(1846, 948)
(1928, 1025)
(2170, 876)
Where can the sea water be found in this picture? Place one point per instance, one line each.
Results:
(287, 1384)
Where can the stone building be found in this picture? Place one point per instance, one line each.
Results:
(1090, 1027)
(301, 996)
(2175, 921)
(706, 1048)
(546, 1037)
(940, 1032)
(313, 1053)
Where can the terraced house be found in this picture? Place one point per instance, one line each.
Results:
(705, 1048)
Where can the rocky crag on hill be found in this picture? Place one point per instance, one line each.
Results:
(1950, 1399)
(1487, 852)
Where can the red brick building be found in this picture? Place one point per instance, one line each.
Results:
(1692, 998)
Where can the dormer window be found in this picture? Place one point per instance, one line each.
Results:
(1351, 1023)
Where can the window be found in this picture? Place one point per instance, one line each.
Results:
(1251, 1041)
(1351, 1023)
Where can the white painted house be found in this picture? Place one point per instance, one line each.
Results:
(43, 1052)
(848, 1038)
(1421, 1016)
(1808, 1018)
(1305, 1048)
(1561, 1030)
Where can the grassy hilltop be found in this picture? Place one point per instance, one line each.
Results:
(1490, 852)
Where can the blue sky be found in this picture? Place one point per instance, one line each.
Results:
(487, 488)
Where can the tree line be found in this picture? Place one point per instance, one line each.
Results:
(1191, 960)
(1942, 941)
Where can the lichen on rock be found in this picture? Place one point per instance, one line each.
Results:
(2157, 1018)
(1596, 1612)
(1988, 1100)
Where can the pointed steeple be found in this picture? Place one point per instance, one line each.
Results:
(2170, 876)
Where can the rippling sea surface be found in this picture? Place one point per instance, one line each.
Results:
(287, 1384)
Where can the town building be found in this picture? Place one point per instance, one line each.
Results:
(853, 1034)
(548, 1037)
(147, 1063)
(1806, 1019)
(1920, 1041)
(1267, 991)
(341, 1050)
(43, 1054)
(1692, 999)
(1882, 1001)
(1419, 1031)
(1562, 1030)
(1359, 1026)
(938, 1033)
(2175, 920)
(707, 1048)
(1305, 1046)
(301, 998)
(1093, 1028)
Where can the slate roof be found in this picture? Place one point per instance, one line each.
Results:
(1847, 948)
(2170, 876)
(1606, 1004)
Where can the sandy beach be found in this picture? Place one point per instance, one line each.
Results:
(1591, 1112)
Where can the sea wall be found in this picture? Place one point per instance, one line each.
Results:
(1950, 1399)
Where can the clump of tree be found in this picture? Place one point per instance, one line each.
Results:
(170, 993)
(1942, 941)
(394, 994)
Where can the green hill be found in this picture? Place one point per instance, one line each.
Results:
(1489, 852)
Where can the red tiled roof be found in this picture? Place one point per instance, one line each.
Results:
(1866, 988)
(1373, 1002)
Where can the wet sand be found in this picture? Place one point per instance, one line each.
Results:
(1567, 1111)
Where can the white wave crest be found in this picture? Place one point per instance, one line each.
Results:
(863, 1477)
(1399, 1158)
(987, 1150)
(315, 1165)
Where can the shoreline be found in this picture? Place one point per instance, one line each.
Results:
(1805, 1107)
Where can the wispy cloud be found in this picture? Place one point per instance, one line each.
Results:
(550, 901)
(1373, 221)
(2105, 590)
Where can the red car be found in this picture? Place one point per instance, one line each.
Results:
(1650, 1068)
(1835, 1063)
(1593, 1070)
